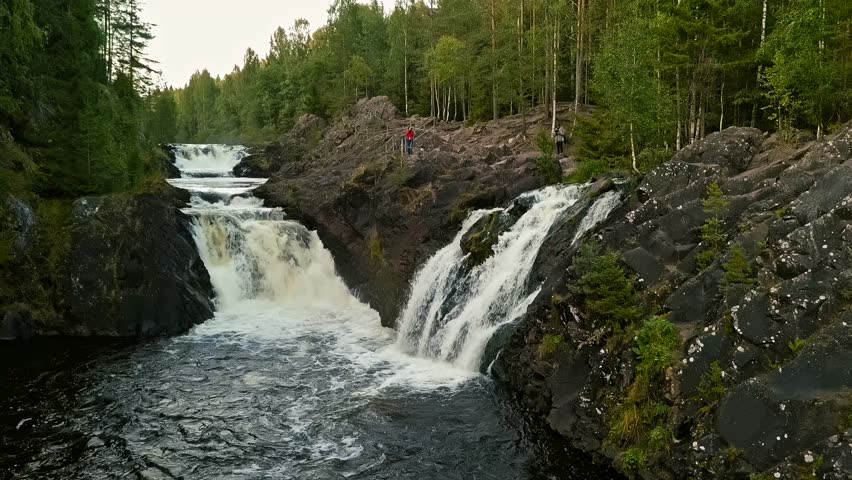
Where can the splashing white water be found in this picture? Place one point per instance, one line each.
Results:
(453, 311)
(599, 212)
(208, 160)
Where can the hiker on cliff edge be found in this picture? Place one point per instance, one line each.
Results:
(559, 136)
(409, 141)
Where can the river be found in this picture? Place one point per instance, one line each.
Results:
(293, 379)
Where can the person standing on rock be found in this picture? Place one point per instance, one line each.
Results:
(409, 141)
(559, 135)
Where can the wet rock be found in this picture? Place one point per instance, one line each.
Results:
(645, 264)
(171, 170)
(479, 242)
(132, 270)
(23, 223)
(600, 187)
(95, 443)
(16, 323)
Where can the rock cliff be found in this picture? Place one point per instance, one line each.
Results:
(381, 213)
(774, 347)
(117, 266)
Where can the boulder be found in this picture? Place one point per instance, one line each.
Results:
(132, 270)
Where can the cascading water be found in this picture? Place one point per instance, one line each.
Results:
(294, 378)
(453, 311)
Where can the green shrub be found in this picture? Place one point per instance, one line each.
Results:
(737, 269)
(550, 344)
(599, 138)
(627, 426)
(634, 460)
(713, 230)
(656, 344)
(660, 439)
(610, 297)
(547, 165)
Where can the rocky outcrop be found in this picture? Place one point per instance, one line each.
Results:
(118, 266)
(133, 270)
(779, 341)
(290, 148)
(170, 169)
(381, 213)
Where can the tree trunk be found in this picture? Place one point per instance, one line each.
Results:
(578, 68)
(633, 150)
(555, 74)
(760, 67)
(722, 105)
(405, 61)
(679, 144)
(493, 60)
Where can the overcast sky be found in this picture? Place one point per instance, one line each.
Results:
(196, 34)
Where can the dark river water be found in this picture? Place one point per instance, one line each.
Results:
(274, 397)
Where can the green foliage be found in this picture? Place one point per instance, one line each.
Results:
(711, 390)
(660, 439)
(806, 76)
(713, 230)
(780, 213)
(547, 165)
(640, 420)
(652, 157)
(609, 295)
(634, 460)
(550, 344)
(797, 345)
(360, 74)
(656, 343)
(626, 81)
(599, 140)
(715, 204)
(737, 269)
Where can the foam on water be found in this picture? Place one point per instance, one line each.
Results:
(453, 310)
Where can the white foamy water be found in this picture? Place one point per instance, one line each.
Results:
(276, 283)
(453, 311)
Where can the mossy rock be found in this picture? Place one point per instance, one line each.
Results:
(479, 242)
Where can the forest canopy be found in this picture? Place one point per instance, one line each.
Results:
(75, 114)
(667, 72)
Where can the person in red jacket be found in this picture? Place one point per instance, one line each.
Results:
(409, 141)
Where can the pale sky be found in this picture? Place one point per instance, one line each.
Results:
(214, 34)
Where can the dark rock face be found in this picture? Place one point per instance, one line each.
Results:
(171, 170)
(132, 270)
(23, 223)
(782, 342)
(380, 213)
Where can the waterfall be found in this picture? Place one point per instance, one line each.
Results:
(208, 160)
(453, 311)
(253, 253)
